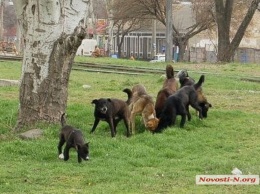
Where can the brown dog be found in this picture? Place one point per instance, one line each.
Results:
(170, 86)
(203, 102)
(141, 103)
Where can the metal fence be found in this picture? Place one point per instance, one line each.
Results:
(242, 55)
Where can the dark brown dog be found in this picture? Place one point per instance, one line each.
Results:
(170, 86)
(178, 104)
(112, 111)
(74, 139)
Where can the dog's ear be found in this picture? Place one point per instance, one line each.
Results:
(87, 144)
(109, 100)
(94, 101)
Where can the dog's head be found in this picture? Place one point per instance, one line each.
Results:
(182, 73)
(83, 151)
(139, 90)
(184, 78)
(204, 108)
(152, 124)
(203, 102)
(102, 104)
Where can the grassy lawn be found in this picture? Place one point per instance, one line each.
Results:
(143, 163)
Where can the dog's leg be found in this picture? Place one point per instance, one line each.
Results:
(66, 152)
(61, 143)
(79, 159)
(95, 125)
(145, 118)
(128, 133)
(173, 119)
(198, 108)
(195, 104)
(132, 121)
(183, 120)
(112, 126)
(183, 112)
(116, 121)
(188, 113)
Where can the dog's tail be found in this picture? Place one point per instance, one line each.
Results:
(129, 94)
(169, 72)
(63, 120)
(199, 83)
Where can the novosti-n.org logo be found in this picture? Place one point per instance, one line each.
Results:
(227, 179)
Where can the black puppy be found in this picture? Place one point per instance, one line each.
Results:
(178, 104)
(112, 111)
(74, 139)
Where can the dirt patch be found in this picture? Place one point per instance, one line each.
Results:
(32, 134)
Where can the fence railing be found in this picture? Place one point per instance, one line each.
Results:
(242, 55)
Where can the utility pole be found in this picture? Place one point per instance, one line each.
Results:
(110, 33)
(2, 19)
(110, 28)
(169, 45)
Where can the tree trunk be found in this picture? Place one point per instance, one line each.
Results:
(181, 42)
(182, 47)
(223, 23)
(226, 49)
(52, 33)
(119, 44)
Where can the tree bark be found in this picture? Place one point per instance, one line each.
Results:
(182, 43)
(52, 32)
(119, 44)
(120, 41)
(226, 47)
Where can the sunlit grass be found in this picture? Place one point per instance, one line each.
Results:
(143, 163)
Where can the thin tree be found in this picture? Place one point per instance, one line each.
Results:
(52, 31)
(125, 21)
(157, 9)
(122, 28)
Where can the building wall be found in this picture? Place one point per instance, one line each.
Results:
(201, 48)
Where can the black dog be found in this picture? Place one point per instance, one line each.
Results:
(184, 78)
(112, 111)
(74, 139)
(178, 104)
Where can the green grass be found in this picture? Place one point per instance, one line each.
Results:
(144, 163)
